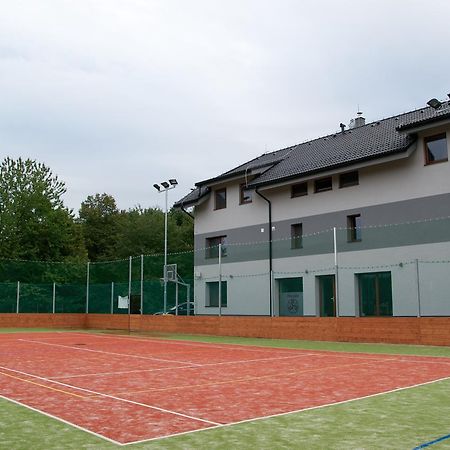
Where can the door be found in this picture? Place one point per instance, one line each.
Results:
(327, 292)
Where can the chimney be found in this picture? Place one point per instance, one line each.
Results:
(360, 120)
(342, 127)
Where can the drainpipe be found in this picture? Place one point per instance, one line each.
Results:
(270, 247)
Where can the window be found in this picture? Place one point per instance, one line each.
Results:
(324, 184)
(375, 294)
(299, 190)
(354, 228)
(212, 246)
(220, 199)
(290, 292)
(212, 293)
(348, 179)
(245, 195)
(435, 149)
(296, 235)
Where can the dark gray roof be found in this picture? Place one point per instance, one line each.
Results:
(192, 198)
(265, 160)
(424, 116)
(370, 141)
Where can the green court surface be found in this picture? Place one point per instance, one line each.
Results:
(404, 419)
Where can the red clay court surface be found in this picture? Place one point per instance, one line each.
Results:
(130, 389)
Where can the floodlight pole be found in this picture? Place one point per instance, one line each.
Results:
(165, 250)
(165, 187)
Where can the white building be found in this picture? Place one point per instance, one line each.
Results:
(384, 186)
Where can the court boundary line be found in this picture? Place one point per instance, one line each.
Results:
(376, 357)
(59, 419)
(256, 348)
(100, 394)
(187, 366)
(108, 353)
(272, 416)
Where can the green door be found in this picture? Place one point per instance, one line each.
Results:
(327, 290)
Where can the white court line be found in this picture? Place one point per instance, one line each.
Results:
(151, 358)
(100, 394)
(312, 408)
(61, 420)
(255, 348)
(379, 357)
(190, 366)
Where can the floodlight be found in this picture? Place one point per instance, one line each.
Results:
(173, 182)
(156, 186)
(434, 103)
(165, 184)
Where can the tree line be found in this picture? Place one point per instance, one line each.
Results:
(36, 225)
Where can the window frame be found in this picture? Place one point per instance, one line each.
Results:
(435, 137)
(318, 180)
(243, 187)
(212, 249)
(224, 298)
(377, 293)
(348, 184)
(353, 228)
(296, 238)
(216, 193)
(301, 194)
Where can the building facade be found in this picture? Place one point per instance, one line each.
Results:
(355, 223)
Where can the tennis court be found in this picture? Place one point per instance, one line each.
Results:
(130, 389)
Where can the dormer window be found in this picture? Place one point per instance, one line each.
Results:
(348, 179)
(299, 189)
(323, 184)
(220, 198)
(435, 149)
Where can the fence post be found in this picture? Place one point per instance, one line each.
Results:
(419, 312)
(220, 280)
(54, 297)
(18, 297)
(112, 297)
(129, 286)
(142, 284)
(336, 294)
(87, 287)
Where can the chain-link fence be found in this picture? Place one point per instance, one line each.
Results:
(388, 270)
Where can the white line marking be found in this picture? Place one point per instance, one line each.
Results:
(254, 348)
(293, 412)
(157, 408)
(189, 366)
(151, 358)
(61, 420)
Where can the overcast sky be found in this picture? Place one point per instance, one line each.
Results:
(115, 95)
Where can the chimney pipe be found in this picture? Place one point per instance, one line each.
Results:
(342, 127)
(360, 120)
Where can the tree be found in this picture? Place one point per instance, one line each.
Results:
(99, 218)
(34, 223)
